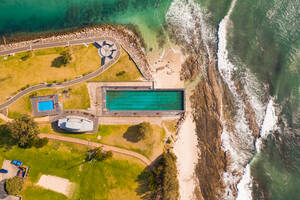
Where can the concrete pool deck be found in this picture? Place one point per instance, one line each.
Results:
(35, 105)
(94, 89)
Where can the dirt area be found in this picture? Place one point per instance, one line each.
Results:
(57, 184)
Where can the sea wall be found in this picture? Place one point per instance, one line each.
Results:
(126, 38)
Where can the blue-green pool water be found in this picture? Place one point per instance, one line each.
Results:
(144, 100)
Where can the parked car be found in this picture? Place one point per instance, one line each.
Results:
(4, 171)
(16, 162)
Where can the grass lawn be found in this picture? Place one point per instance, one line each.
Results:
(17, 72)
(77, 97)
(123, 70)
(171, 125)
(113, 135)
(113, 179)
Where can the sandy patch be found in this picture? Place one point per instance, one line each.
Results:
(186, 151)
(57, 184)
(165, 67)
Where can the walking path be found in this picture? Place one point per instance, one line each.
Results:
(67, 83)
(95, 144)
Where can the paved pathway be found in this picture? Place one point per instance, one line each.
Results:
(67, 83)
(95, 144)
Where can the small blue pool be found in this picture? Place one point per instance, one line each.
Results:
(45, 105)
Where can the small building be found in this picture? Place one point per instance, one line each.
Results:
(76, 124)
(45, 105)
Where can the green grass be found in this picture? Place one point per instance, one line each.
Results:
(35, 193)
(151, 146)
(94, 180)
(16, 73)
(123, 70)
(76, 98)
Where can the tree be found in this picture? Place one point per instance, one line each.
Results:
(143, 129)
(64, 59)
(23, 129)
(14, 185)
(161, 180)
(99, 155)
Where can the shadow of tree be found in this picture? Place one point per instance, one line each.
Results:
(6, 140)
(131, 134)
(147, 188)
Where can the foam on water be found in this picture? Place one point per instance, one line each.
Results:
(185, 16)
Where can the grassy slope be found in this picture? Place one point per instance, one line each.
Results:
(15, 73)
(123, 64)
(151, 147)
(112, 179)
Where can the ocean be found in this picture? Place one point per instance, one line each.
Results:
(258, 41)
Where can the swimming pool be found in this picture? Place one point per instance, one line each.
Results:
(147, 100)
(45, 105)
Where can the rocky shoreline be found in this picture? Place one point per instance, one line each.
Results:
(126, 38)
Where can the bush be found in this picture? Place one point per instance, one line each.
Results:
(14, 185)
(26, 57)
(98, 154)
(120, 73)
(39, 143)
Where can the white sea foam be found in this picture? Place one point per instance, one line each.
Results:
(238, 144)
(184, 15)
(269, 124)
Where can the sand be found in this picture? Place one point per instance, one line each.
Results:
(57, 184)
(165, 67)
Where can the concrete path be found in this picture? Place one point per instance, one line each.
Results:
(4, 118)
(95, 144)
(67, 83)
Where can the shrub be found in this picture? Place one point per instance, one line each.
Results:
(39, 143)
(120, 73)
(14, 185)
(26, 57)
(98, 154)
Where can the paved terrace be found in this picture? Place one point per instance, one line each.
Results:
(67, 83)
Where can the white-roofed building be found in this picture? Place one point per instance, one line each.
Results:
(76, 124)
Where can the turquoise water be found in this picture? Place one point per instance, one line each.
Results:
(45, 105)
(144, 100)
(33, 16)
